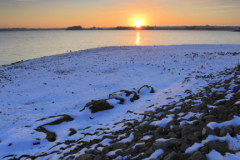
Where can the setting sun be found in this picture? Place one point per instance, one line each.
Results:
(138, 23)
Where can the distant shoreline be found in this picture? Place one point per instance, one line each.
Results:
(210, 28)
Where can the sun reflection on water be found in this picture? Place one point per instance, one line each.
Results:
(138, 39)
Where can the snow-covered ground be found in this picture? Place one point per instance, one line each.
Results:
(64, 84)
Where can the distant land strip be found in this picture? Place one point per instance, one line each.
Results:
(207, 27)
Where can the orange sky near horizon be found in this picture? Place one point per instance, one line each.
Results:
(112, 13)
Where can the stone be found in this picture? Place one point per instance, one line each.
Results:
(122, 95)
(149, 151)
(177, 128)
(128, 151)
(158, 145)
(225, 130)
(144, 89)
(208, 117)
(51, 136)
(106, 149)
(116, 146)
(99, 105)
(198, 128)
(72, 132)
(118, 153)
(204, 149)
(184, 146)
(105, 157)
(85, 157)
(96, 152)
(97, 157)
(172, 156)
(217, 131)
(183, 156)
(172, 123)
(172, 135)
(198, 135)
(237, 130)
(197, 156)
(207, 131)
(159, 130)
(192, 138)
(221, 147)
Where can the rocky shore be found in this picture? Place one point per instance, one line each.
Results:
(166, 102)
(197, 127)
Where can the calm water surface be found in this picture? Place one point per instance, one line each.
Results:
(24, 45)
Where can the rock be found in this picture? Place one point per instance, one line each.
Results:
(116, 146)
(96, 152)
(85, 157)
(149, 151)
(172, 135)
(105, 157)
(99, 105)
(51, 136)
(207, 131)
(184, 146)
(128, 151)
(106, 149)
(186, 130)
(118, 153)
(197, 156)
(123, 95)
(172, 123)
(204, 149)
(237, 130)
(218, 146)
(192, 138)
(217, 131)
(145, 90)
(72, 131)
(224, 130)
(158, 145)
(172, 156)
(137, 134)
(208, 117)
(97, 157)
(183, 156)
(159, 130)
(174, 142)
(198, 128)
(198, 135)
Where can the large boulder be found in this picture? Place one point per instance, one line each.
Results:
(124, 95)
(145, 90)
(99, 105)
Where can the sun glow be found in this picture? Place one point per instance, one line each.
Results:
(138, 23)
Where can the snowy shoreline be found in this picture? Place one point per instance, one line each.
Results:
(63, 84)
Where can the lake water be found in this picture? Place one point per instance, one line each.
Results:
(24, 45)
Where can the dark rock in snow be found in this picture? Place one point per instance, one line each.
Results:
(221, 147)
(116, 146)
(85, 157)
(237, 130)
(224, 130)
(72, 132)
(206, 131)
(99, 105)
(146, 89)
(123, 95)
(172, 156)
(158, 145)
(197, 156)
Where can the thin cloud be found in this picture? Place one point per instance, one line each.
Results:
(26, 0)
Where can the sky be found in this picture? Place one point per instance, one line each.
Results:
(112, 13)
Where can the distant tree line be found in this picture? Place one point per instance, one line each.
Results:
(74, 28)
